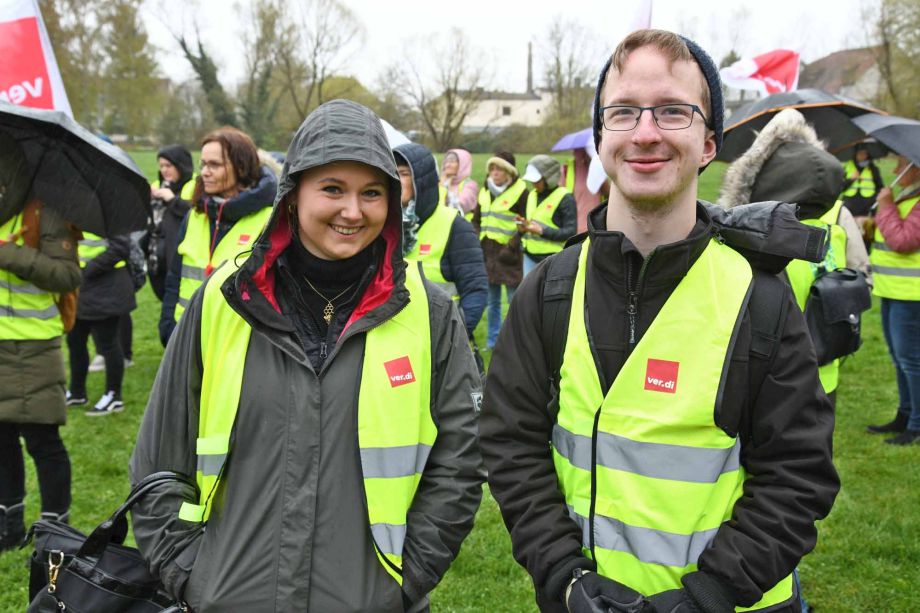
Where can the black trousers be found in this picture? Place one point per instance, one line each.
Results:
(52, 463)
(108, 344)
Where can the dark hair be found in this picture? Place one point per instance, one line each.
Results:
(239, 150)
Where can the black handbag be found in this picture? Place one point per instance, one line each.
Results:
(96, 573)
(833, 313)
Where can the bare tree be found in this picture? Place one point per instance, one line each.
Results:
(896, 31)
(327, 35)
(444, 84)
(568, 53)
(258, 95)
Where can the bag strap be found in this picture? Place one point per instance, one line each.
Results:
(115, 528)
(557, 305)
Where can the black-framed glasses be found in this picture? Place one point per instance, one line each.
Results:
(623, 117)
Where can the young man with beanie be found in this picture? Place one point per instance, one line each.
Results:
(501, 200)
(670, 456)
(552, 217)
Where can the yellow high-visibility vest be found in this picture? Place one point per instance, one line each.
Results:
(187, 190)
(92, 246)
(895, 275)
(430, 245)
(198, 261)
(864, 185)
(543, 214)
(395, 427)
(27, 312)
(646, 473)
(497, 222)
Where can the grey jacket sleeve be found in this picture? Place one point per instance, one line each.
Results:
(791, 480)
(53, 266)
(857, 256)
(450, 490)
(566, 217)
(166, 441)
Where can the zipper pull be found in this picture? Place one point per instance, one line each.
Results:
(632, 307)
(322, 349)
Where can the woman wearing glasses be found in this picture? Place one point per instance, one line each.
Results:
(322, 397)
(231, 204)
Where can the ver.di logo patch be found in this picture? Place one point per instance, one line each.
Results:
(399, 371)
(244, 239)
(661, 376)
(424, 249)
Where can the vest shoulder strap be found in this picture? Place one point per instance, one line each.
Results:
(768, 308)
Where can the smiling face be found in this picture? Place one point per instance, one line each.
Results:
(451, 165)
(651, 168)
(341, 208)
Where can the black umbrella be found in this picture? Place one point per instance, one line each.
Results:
(899, 134)
(91, 183)
(828, 113)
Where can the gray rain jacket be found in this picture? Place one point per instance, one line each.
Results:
(289, 530)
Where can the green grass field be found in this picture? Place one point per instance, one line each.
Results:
(867, 558)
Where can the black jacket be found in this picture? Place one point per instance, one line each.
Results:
(463, 263)
(565, 217)
(773, 524)
(107, 291)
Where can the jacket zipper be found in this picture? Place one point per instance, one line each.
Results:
(597, 418)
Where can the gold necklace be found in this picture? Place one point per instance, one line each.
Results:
(328, 310)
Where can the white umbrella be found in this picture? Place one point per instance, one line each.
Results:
(394, 136)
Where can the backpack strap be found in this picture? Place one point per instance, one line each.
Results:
(557, 304)
(769, 306)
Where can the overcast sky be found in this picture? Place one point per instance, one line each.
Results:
(501, 30)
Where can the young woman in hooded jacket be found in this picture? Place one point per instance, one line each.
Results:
(321, 399)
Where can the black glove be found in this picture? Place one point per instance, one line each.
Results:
(702, 593)
(592, 593)
(673, 601)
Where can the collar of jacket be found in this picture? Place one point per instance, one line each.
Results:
(610, 250)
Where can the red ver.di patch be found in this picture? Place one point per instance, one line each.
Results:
(661, 376)
(399, 371)
(244, 239)
(424, 249)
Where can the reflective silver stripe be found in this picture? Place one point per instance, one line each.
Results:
(497, 230)
(881, 247)
(94, 243)
(192, 272)
(210, 465)
(389, 537)
(648, 545)
(43, 314)
(393, 462)
(184, 302)
(539, 239)
(896, 272)
(27, 288)
(655, 460)
(499, 216)
(449, 288)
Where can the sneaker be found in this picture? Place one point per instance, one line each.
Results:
(896, 425)
(107, 405)
(98, 364)
(908, 437)
(73, 400)
(129, 363)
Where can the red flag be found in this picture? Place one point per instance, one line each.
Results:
(772, 72)
(29, 74)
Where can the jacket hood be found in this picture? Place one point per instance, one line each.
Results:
(424, 177)
(788, 163)
(179, 157)
(14, 177)
(465, 168)
(336, 131)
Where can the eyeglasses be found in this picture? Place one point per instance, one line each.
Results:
(212, 166)
(622, 117)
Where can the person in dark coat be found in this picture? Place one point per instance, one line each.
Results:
(461, 265)
(170, 200)
(501, 242)
(543, 172)
(38, 260)
(106, 294)
(327, 327)
(652, 461)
